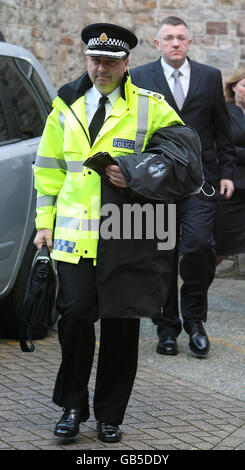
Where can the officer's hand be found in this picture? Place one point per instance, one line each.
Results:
(44, 236)
(226, 188)
(115, 176)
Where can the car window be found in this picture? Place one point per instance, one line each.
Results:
(24, 101)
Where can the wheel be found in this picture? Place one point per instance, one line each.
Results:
(12, 305)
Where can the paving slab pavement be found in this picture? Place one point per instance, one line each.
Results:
(224, 370)
(178, 403)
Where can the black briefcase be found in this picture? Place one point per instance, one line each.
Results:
(39, 301)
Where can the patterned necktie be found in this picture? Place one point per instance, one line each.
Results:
(178, 90)
(98, 119)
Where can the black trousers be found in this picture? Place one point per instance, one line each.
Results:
(195, 222)
(118, 348)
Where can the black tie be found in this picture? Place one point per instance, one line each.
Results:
(98, 119)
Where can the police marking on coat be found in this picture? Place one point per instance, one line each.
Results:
(124, 143)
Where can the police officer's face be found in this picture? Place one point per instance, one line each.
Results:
(106, 73)
(173, 43)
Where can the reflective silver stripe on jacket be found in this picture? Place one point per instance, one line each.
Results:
(62, 119)
(142, 123)
(75, 166)
(68, 222)
(51, 162)
(43, 201)
(59, 164)
(88, 225)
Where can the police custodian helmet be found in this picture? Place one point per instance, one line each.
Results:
(108, 40)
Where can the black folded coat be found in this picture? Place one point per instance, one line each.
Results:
(133, 273)
(170, 167)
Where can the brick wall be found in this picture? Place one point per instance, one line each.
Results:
(51, 29)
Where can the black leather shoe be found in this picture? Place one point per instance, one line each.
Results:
(167, 346)
(199, 342)
(108, 432)
(68, 425)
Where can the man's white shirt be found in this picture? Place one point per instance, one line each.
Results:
(92, 97)
(184, 77)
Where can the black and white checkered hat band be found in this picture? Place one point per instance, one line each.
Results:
(110, 42)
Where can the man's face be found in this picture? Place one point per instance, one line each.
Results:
(105, 73)
(173, 43)
(239, 90)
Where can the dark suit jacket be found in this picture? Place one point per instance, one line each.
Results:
(204, 109)
(237, 118)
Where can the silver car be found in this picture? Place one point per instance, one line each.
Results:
(26, 95)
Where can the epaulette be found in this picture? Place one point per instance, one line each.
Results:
(155, 95)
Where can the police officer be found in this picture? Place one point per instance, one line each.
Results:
(68, 217)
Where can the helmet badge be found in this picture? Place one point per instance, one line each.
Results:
(103, 37)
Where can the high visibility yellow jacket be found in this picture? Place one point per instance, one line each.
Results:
(69, 194)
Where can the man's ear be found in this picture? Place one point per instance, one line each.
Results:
(189, 43)
(157, 44)
(126, 62)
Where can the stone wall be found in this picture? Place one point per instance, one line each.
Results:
(51, 29)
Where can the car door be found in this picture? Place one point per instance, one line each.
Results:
(24, 106)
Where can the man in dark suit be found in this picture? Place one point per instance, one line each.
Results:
(195, 91)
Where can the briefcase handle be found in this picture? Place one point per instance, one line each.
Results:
(44, 255)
